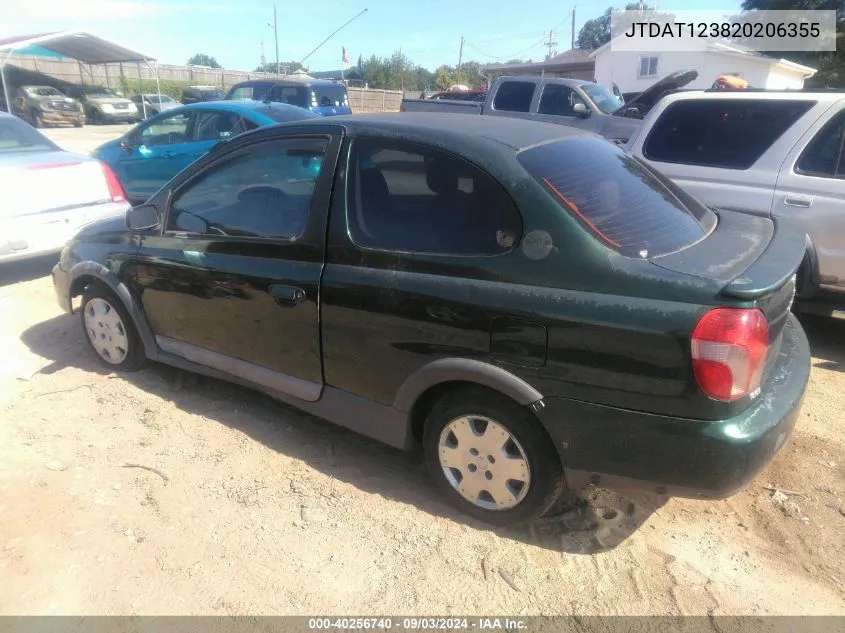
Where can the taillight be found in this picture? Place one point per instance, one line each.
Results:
(729, 347)
(115, 188)
(401, 108)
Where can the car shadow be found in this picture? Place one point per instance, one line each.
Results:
(597, 521)
(827, 341)
(27, 269)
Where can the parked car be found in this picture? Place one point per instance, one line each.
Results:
(45, 105)
(529, 303)
(48, 193)
(104, 105)
(150, 104)
(320, 96)
(197, 94)
(574, 102)
(153, 152)
(776, 154)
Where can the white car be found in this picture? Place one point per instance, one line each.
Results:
(48, 194)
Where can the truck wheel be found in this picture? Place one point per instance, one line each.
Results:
(491, 457)
(37, 122)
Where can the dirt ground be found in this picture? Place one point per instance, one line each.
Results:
(256, 508)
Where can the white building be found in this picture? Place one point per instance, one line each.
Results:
(635, 71)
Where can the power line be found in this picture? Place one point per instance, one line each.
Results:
(512, 55)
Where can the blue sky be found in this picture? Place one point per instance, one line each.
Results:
(428, 31)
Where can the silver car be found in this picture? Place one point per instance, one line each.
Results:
(48, 194)
(150, 104)
(780, 154)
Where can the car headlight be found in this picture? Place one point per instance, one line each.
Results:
(45, 106)
(132, 107)
(106, 107)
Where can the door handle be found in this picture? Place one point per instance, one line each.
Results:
(287, 296)
(797, 200)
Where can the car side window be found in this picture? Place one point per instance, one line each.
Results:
(216, 126)
(265, 193)
(726, 133)
(514, 96)
(824, 157)
(414, 198)
(166, 130)
(559, 100)
(244, 92)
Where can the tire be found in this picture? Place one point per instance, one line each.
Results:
(106, 320)
(524, 443)
(37, 122)
(77, 124)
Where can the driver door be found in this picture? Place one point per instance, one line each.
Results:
(159, 149)
(232, 280)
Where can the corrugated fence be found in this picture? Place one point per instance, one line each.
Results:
(360, 99)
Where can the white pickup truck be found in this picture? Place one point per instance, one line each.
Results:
(780, 154)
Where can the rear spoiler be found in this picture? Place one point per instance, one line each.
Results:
(774, 267)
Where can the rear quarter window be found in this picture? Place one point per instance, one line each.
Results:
(617, 199)
(727, 133)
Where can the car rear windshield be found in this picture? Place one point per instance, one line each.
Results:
(17, 136)
(334, 95)
(616, 198)
(283, 114)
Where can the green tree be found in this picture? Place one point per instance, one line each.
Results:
(830, 64)
(270, 67)
(596, 32)
(201, 59)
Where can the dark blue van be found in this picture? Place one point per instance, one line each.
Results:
(323, 97)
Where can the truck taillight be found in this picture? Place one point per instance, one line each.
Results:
(729, 348)
(115, 188)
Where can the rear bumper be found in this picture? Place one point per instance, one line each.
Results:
(44, 233)
(621, 449)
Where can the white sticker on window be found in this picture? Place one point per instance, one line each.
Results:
(537, 245)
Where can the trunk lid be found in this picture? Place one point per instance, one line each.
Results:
(753, 259)
(39, 182)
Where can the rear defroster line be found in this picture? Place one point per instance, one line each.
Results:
(577, 212)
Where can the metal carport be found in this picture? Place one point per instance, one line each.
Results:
(84, 47)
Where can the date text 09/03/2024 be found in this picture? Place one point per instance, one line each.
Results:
(416, 624)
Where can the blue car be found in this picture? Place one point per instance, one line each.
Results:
(150, 154)
(320, 96)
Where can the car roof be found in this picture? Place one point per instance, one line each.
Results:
(517, 134)
(777, 95)
(237, 105)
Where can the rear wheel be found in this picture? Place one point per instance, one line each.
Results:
(110, 330)
(491, 458)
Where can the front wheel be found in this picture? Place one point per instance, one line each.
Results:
(491, 457)
(37, 121)
(110, 330)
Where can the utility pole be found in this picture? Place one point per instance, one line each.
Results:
(461, 54)
(551, 45)
(572, 47)
(275, 26)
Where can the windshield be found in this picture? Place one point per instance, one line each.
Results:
(42, 91)
(100, 92)
(331, 95)
(17, 136)
(212, 95)
(606, 101)
(616, 198)
(160, 99)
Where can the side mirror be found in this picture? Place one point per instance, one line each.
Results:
(142, 218)
(126, 144)
(581, 110)
(633, 113)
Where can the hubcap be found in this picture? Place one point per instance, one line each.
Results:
(106, 331)
(484, 462)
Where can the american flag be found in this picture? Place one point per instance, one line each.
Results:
(345, 58)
